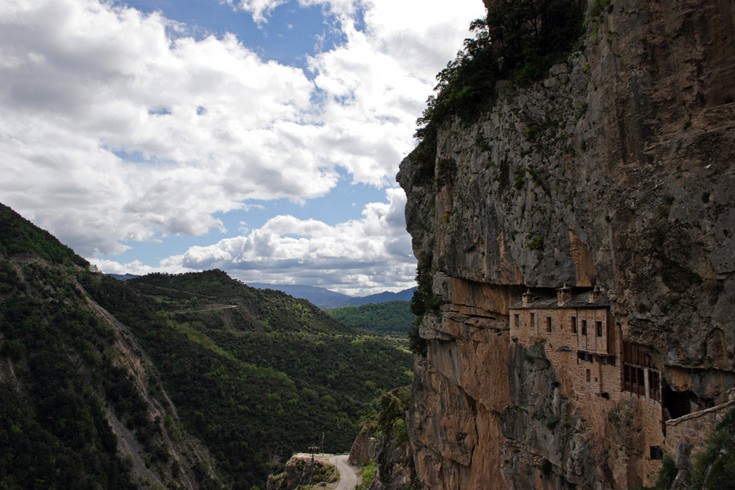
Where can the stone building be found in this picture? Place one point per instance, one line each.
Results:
(595, 366)
(580, 337)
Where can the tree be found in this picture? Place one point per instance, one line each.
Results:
(518, 40)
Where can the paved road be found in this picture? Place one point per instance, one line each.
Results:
(347, 475)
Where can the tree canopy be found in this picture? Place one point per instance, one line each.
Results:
(517, 40)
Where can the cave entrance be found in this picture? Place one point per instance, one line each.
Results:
(676, 403)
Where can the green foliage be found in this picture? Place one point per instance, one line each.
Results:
(518, 40)
(391, 410)
(53, 431)
(310, 476)
(324, 474)
(255, 374)
(666, 475)
(446, 172)
(519, 179)
(535, 242)
(424, 302)
(596, 7)
(388, 416)
(416, 343)
(368, 475)
(715, 468)
(18, 236)
(389, 318)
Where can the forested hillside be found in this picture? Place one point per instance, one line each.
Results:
(56, 365)
(390, 318)
(116, 382)
(77, 409)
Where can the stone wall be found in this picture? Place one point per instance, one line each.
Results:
(691, 432)
(534, 323)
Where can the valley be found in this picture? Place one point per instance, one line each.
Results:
(192, 380)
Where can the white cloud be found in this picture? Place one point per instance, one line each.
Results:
(261, 9)
(134, 267)
(376, 84)
(356, 257)
(81, 94)
(114, 132)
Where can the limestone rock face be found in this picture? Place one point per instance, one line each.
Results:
(618, 170)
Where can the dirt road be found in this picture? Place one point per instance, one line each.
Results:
(347, 475)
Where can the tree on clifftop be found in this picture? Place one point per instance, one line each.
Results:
(518, 40)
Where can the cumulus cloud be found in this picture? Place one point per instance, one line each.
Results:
(355, 257)
(261, 9)
(117, 128)
(110, 122)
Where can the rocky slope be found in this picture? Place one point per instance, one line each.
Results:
(81, 405)
(617, 171)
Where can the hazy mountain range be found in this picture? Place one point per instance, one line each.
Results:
(321, 297)
(324, 298)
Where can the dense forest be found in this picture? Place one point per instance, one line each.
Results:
(170, 379)
(390, 318)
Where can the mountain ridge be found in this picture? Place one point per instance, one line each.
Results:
(327, 299)
(178, 380)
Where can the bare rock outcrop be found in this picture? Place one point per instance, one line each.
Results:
(304, 470)
(617, 170)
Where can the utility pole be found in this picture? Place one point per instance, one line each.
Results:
(312, 449)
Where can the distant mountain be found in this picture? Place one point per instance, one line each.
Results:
(383, 297)
(326, 299)
(321, 297)
(123, 277)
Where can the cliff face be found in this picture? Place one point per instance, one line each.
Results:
(617, 171)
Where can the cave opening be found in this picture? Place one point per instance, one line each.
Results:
(676, 403)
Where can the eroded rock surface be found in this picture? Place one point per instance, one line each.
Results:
(618, 171)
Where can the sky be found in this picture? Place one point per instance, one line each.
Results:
(260, 137)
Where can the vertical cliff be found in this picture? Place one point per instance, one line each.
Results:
(617, 170)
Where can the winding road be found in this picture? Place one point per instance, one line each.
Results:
(347, 475)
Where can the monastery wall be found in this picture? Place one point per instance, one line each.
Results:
(693, 431)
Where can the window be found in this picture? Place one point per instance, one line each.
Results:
(628, 378)
(574, 325)
(533, 320)
(634, 380)
(589, 375)
(548, 324)
(517, 320)
(657, 452)
(598, 328)
(654, 384)
(584, 327)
